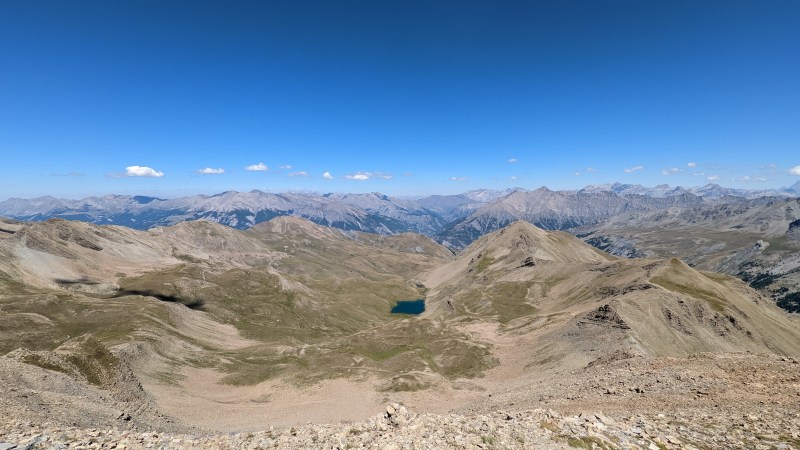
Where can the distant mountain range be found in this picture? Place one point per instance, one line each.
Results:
(711, 190)
(453, 220)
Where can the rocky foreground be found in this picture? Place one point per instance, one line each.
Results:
(399, 428)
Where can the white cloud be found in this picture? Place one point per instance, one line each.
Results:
(458, 178)
(795, 170)
(512, 178)
(211, 171)
(713, 178)
(301, 173)
(634, 169)
(408, 174)
(363, 176)
(260, 167)
(512, 160)
(745, 178)
(591, 169)
(577, 174)
(286, 167)
(327, 176)
(691, 164)
(670, 171)
(142, 171)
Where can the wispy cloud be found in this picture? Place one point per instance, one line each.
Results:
(67, 174)
(754, 179)
(287, 167)
(142, 171)
(577, 174)
(670, 171)
(458, 178)
(634, 169)
(327, 176)
(408, 174)
(301, 173)
(363, 176)
(591, 169)
(260, 167)
(512, 160)
(211, 171)
(691, 164)
(712, 178)
(795, 170)
(512, 178)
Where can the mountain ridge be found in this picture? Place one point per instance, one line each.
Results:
(453, 220)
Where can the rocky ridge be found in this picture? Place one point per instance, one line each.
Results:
(402, 429)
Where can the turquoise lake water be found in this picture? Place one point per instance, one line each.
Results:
(409, 307)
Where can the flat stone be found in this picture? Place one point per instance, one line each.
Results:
(606, 420)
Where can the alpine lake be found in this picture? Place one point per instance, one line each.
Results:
(413, 307)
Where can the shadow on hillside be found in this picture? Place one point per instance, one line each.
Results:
(194, 304)
(84, 280)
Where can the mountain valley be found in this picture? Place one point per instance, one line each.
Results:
(198, 328)
(752, 235)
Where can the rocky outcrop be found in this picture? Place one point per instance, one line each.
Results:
(794, 230)
(400, 429)
(605, 315)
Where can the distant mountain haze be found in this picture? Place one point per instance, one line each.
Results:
(453, 220)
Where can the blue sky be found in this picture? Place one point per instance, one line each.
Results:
(402, 97)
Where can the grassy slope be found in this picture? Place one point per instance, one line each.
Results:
(313, 303)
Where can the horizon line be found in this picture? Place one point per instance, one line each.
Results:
(313, 192)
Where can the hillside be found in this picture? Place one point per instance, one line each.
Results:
(573, 297)
(205, 327)
(752, 240)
